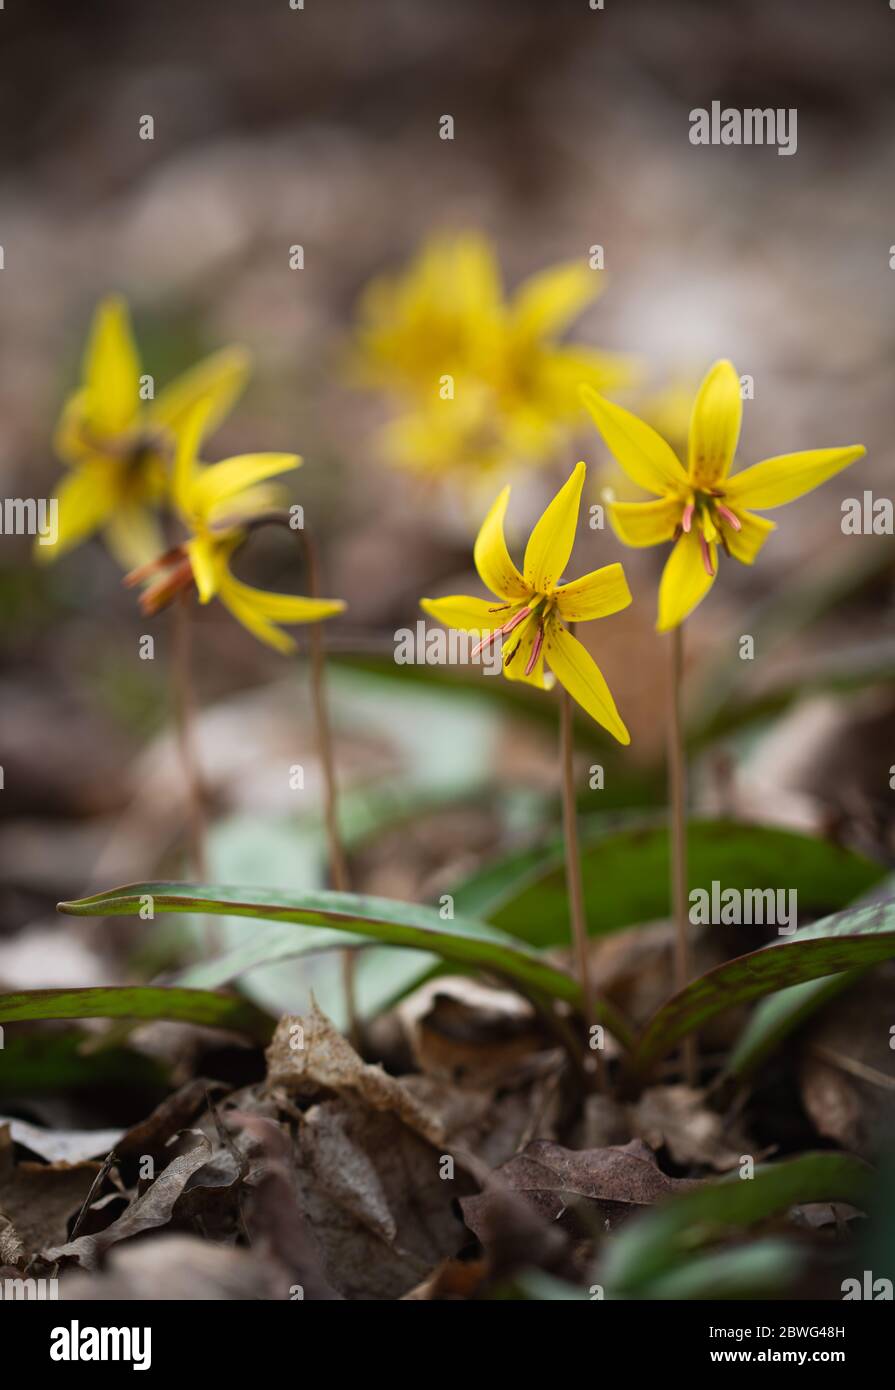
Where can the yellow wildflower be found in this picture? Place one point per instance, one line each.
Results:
(482, 380)
(533, 605)
(216, 504)
(119, 447)
(701, 507)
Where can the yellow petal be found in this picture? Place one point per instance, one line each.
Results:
(778, 480)
(85, 501)
(550, 543)
(71, 438)
(206, 566)
(111, 369)
(227, 479)
(133, 536)
(186, 472)
(259, 610)
(492, 559)
(575, 668)
(217, 380)
(684, 581)
(745, 544)
(594, 595)
(467, 614)
(645, 523)
(640, 451)
(715, 425)
(548, 302)
(256, 623)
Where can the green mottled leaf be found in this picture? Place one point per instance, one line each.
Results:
(138, 1002)
(846, 941)
(626, 876)
(462, 941)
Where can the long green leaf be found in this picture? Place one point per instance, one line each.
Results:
(139, 1002)
(781, 1014)
(464, 942)
(657, 1242)
(626, 873)
(848, 940)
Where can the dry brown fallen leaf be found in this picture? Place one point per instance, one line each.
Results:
(309, 1055)
(553, 1179)
(37, 1200)
(379, 1198)
(153, 1208)
(678, 1117)
(276, 1228)
(471, 1034)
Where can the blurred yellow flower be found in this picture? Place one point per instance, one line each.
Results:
(119, 447)
(481, 381)
(533, 605)
(216, 504)
(701, 507)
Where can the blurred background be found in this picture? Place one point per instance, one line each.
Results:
(319, 126)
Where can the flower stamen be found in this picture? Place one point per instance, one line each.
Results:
(729, 516)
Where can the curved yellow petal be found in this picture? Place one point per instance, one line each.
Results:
(775, 481)
(685, 581)
(575, 668)
(550, 543)
(260, 611)
(246, 614)
(745, 544)
(640, 451)
(492, 559)
(286, 608)
(133, 535)
(715, 425)
(219, 481)
(217, 380)
(549, 301)
(186, 468)
(645, 523)
(467, 614)
(595, 595)
(85, 501)
(111, 369)
(206, 561)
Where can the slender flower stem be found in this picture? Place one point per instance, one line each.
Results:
(337, 859)
(573, 874)
(185, 716)
(677, 773)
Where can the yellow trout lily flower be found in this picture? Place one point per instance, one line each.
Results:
(701, 507)
(217, 504)
(533, 605)
(119, 447)
(481, 379)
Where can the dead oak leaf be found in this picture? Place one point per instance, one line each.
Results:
(309, 1056)
(553, 1179)
(154, 1208)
